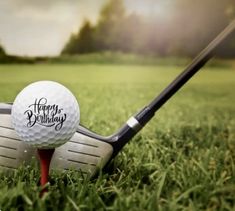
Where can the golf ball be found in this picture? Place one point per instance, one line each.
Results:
(45, 114)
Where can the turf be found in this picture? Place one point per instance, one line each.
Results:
(184, 159)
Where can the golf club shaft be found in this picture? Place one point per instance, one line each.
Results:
(134, 124)
(148, 112)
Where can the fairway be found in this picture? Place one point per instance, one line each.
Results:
(183, 159)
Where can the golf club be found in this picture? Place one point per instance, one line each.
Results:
(87, 151)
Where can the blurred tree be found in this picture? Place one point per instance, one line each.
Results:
(183, 32)
(106, 35)
(71, 46)
(113, 11)
(109, 26)
(4, 58)
(83, 42)
(2, 51)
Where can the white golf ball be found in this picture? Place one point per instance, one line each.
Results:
(45, 114)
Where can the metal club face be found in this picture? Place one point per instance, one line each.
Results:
(81, 152)
(13, 151)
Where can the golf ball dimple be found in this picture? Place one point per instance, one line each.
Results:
(45, 114)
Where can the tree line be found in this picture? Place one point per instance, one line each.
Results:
(6, 59)
(182, 32)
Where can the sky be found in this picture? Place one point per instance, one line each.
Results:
(42, 27)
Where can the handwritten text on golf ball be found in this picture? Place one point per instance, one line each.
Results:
(42, 113)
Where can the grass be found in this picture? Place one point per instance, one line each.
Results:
(184, 159)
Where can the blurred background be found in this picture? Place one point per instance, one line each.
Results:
(161, 28)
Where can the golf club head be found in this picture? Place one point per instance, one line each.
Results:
(82, 152)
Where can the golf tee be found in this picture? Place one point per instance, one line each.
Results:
(45, 156)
